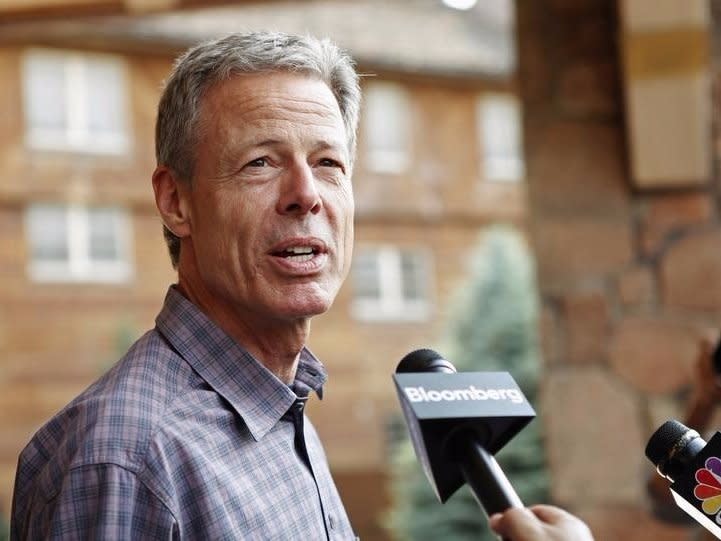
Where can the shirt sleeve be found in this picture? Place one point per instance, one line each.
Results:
(102, 501)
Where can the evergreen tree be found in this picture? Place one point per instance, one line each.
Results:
(4, 529)
(493, 328)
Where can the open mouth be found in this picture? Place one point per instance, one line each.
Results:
(299, 254)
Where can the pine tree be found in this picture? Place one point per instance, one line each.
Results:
(4, 529)
(493, 328)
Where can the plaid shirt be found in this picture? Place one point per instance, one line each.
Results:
(187, 437)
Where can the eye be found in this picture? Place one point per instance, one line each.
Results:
(258, 162)
(329, 162)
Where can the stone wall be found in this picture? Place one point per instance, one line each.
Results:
(630, 278)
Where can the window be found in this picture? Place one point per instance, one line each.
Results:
(75, 102)
(499, 126)
(74, 243)
(386, 127)
(391, 284)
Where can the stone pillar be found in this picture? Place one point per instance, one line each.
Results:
(629, 272)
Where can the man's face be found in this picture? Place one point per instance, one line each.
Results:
(271, 203)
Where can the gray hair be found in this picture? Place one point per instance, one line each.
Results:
(212, 62)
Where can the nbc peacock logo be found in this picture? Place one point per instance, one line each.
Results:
(708, 489)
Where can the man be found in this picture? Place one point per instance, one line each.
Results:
(199, 432)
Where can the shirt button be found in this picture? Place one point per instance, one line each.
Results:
(331, 522)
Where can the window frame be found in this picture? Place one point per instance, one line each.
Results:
(391, 305)
(76, 135)
(501, 167)
(79, 266)
(380, 159)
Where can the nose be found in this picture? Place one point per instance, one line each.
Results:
(299, 192)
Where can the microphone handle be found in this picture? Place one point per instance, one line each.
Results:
(484, 476)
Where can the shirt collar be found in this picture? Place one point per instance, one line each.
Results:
(255, 393)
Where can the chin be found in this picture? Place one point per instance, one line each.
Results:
(307, 310)
(308, 305)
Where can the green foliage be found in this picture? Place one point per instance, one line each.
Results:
(4, 529)
(493, 327)
(125, 335)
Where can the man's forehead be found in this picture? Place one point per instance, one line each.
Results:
(265, 89)
(265, 106)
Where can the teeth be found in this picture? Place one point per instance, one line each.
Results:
(302, 258)
(298, 250)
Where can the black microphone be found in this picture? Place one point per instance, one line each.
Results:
(694, 469)
(457, 422)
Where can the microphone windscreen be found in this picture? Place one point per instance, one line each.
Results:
(424, 360)
(665, 440)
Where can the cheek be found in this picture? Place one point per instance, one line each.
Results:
(347, 236)
(225, 231)
(345, 206)
(347, 259)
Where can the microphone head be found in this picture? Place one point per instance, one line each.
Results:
(672, 447)
(664, 440)
(425, 360)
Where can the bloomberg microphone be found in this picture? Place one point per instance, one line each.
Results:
(457, 422)
(694, 469)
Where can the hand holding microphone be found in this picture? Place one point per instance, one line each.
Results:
(540, 523)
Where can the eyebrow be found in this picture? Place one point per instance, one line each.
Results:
(326, 145)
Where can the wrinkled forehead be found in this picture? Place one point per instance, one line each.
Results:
(273, 101)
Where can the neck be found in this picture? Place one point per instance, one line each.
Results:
(276, 344)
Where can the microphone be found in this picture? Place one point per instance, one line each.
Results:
(457, 422)
(694, 469)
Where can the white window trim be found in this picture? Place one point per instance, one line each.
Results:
(496, 168)
(76, 137)
(387, 160)
(392, 306)
(79, 267)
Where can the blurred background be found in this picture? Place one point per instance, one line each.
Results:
(536, 188)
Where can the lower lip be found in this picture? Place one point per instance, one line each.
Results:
(298, 266)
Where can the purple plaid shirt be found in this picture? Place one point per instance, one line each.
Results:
(187, 437)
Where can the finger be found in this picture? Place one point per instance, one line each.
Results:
(562, 521)
(550, 514)
(494, 519)
(516, 523)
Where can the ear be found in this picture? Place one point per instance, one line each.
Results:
(172, 199)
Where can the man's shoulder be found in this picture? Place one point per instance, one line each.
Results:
(114, 420)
